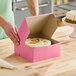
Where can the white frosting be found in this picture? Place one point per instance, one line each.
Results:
(71, 15)
(38, 43)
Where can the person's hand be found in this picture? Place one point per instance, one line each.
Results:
(11, 32)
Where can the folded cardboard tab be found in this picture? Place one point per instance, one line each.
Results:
(42, 26)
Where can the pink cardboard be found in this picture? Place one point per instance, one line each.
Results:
(36, 54)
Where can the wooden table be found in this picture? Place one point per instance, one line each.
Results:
(65, 65)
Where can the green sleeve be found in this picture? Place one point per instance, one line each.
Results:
(7, 13)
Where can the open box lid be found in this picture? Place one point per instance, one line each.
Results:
(38, 26)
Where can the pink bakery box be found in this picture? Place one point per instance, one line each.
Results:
(42, 26)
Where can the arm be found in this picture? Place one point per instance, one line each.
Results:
(10, 30)
(33, 6)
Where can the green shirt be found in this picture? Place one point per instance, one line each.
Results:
(7, 13)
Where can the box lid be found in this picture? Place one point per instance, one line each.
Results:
(42, 25)
(38, 26)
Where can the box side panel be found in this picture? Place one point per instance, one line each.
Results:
(39, 53)
(16, 50)
(27, 52)
(46, 52)
(54, 50)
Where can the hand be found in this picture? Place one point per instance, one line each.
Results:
(11, 32)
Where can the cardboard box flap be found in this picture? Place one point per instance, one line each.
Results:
(49, 27)
(23, 32)
(42, 26)
(36, 23)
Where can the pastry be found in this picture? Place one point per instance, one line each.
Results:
(71, 17)
(57, 10)
(60, 23)
(58, 14)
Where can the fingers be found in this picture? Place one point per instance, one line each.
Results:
(14, 33)
(13, 39)
(16, 29)
(11, 32)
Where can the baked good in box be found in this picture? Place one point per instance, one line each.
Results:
(71, 17)
(37, 42)
(64, 13)
(57, 10)
(58, 14)
(60, 23)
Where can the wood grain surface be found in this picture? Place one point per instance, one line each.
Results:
(65, 65)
